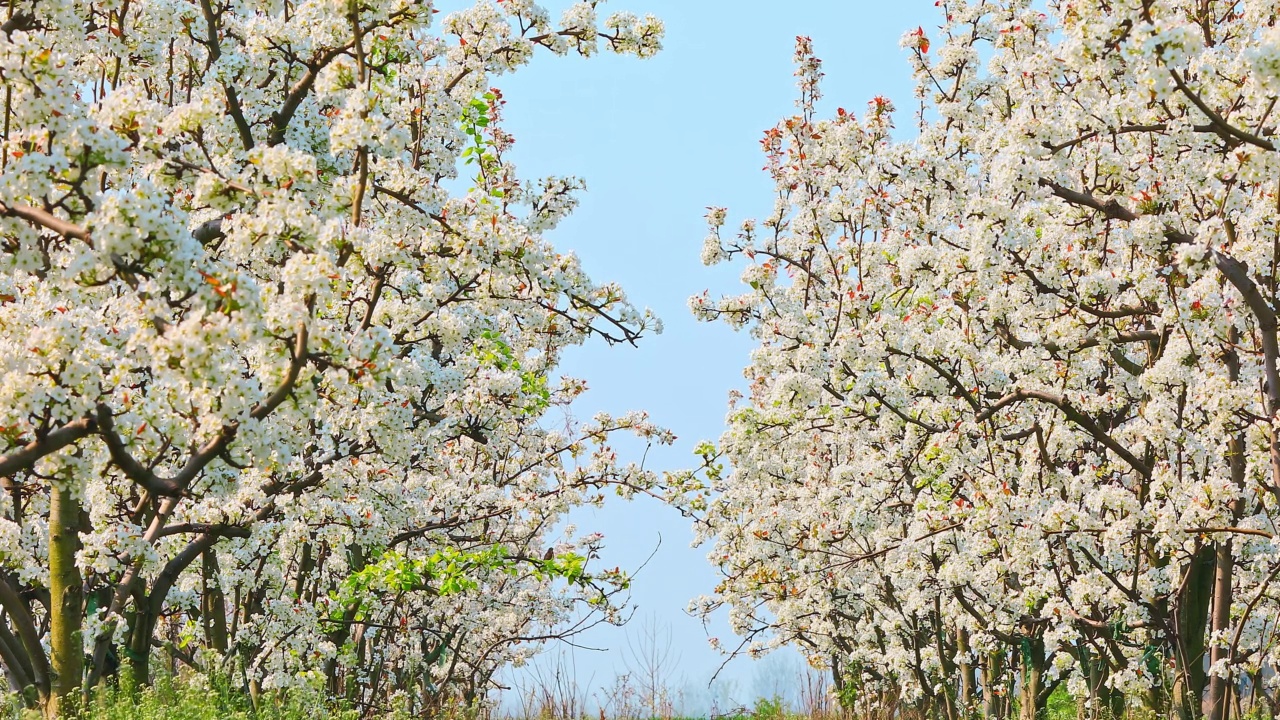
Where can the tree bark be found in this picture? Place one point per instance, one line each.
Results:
(947, 668)
(17, 668)
(29, 638)
(1215, 701)
(1103, 701)
(214, 604)
(66, 606)
(1191, 620)
(342, 633)
(142, 625)
(965, 699)
(992, 675)
(1032, 704)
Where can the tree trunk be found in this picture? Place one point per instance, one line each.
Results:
(1192, 615)
(18, 670)
(32, 655)
(66, 604)
(947, 667)
(1032, 705)
(992, 676)
(142, 626)
(214, 604)
(305, 566)
(1215, 702)
(342, 633)
(1103, 701)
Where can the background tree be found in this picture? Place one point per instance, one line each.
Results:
(1012, 407)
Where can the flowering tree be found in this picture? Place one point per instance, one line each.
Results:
(261, 365)
(1012, 410)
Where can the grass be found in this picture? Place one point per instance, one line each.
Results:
(201, 698)
(194, 699)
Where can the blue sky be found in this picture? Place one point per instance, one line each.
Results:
(658, 141)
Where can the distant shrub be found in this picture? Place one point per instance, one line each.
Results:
(770, 709)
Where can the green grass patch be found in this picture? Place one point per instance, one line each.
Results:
(195, 698)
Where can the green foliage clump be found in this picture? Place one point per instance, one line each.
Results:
(770, 709)
(1060, 705)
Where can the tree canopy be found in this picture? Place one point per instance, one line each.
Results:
(278, 328)
(1011, 418)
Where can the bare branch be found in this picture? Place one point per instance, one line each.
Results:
(46, 220)
(1111, 208)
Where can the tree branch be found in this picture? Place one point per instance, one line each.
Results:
(177, 485)
(20, 616)
(208, 231)
(281, 118)
(24, 457)
(219, 529)
(1084, 421)
(1224, 128)
(19, 21)
(1111, 208)
(46, 220)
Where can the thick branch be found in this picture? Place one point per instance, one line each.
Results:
(208, 231)
(282, 117)
(20, 616)
(236, 112)
(15, 658)
(1111, 208)
(981, 617)
(172, 569)
(24, 457)
(46, 220)
(218, 529)
(1223, 127)
(1090, 341)
(1237, 273)
(1233, 530)
(19, 21)
(176, 485)
(1084, 421)
(135, 470)
(1122, 130)
(300, 356)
